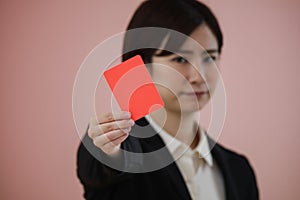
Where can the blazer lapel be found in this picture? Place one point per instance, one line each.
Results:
(153, 142)
(223, 164)
(171, 171)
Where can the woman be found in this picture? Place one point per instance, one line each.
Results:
(194, 173)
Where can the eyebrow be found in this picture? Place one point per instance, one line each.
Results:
(183, 52)
(208, 51)
(211, 51)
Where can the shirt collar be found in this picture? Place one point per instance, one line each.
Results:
(173, 144)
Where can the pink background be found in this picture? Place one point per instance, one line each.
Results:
(43, 43)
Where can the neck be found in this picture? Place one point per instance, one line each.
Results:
(181, 126)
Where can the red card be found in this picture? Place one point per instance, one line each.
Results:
(133, 87)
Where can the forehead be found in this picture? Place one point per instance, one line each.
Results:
(201, 39)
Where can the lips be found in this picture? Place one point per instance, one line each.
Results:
(200, 93)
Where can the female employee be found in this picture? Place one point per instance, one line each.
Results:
(194, 173)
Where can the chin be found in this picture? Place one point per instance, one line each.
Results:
(190, 110)
(192, 107)
(186, 107)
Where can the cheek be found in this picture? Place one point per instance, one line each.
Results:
(165, 93)
(167, 78)
(169, 97)
(166, 85)
(212, 79)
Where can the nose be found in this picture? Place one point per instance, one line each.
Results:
(196, 75)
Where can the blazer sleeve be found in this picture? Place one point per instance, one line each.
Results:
(252, 192)
(98, 178)
(242, 178)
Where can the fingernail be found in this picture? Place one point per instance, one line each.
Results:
(126, 130)
(126, 114)
(131, 122)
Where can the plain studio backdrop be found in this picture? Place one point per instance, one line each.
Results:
(43, 44)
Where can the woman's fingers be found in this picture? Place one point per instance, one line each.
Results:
(113, 146)
(97, 130)
(110, 142)
(127, 130)
(123, 124)
(109, 130)
(109, 117)
(103, 139)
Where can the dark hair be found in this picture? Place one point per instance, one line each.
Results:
(183, 16)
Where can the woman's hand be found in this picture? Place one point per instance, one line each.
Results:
(109, 130)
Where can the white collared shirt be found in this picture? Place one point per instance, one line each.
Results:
(201, 174)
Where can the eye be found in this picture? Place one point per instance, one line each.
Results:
(209, 59)
(180, 59)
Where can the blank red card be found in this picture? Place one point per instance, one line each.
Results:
(133, 88)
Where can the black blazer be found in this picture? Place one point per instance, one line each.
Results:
(102, 182)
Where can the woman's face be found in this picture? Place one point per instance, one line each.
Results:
(186, 80)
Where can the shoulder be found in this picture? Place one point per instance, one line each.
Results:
(231, 161)
(229, 153)
(226, 154)
(237, 170)
(236, 160)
